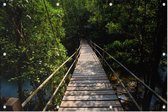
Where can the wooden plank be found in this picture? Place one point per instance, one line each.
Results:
(76, 72)
(90, 81)
(85, 76)
(91, 109)
(74, 93)
(88, 88)
(85, 51)
(89, 74)
(88, 67)
(88, 78)
(89, 104)
(91, 85)
(88, 63)
(85, 109)
(91, 98)
(84, 72)
(96, 69)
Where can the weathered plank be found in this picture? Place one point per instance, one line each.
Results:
(88, 64)
(85, 109)
(89, 104)
(92, 98)
(93, 88)
(89, 74)
(88, 78)
(90, 85)
(77, 93)
(89, 71)
(92, 109)
(89, 81)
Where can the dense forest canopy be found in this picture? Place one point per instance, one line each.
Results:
(30, 39)
(37, 36)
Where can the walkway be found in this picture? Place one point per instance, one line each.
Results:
(89, 88)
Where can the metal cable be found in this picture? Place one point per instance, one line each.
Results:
(45, 81)
(151, 90)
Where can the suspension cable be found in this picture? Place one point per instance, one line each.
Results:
(158, 96)
(132, 98)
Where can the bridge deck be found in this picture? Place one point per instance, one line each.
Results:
(89, 88)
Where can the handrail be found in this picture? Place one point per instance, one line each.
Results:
(132, 98)
(44, 82)
(56, 90)
(158, 96)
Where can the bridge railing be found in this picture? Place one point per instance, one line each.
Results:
(98, 49)
(76, 53)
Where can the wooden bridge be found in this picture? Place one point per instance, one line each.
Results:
(89, 88)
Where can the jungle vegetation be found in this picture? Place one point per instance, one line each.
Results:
(37, 36)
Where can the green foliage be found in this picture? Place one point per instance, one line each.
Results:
(113, 27)
(135, 20)
(125, 51)
(32, 50)
(32, 33)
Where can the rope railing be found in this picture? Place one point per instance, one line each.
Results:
(138, 79)
(121, 82)
(56, 90)
(45, 81)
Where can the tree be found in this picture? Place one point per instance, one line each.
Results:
(32, 50)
